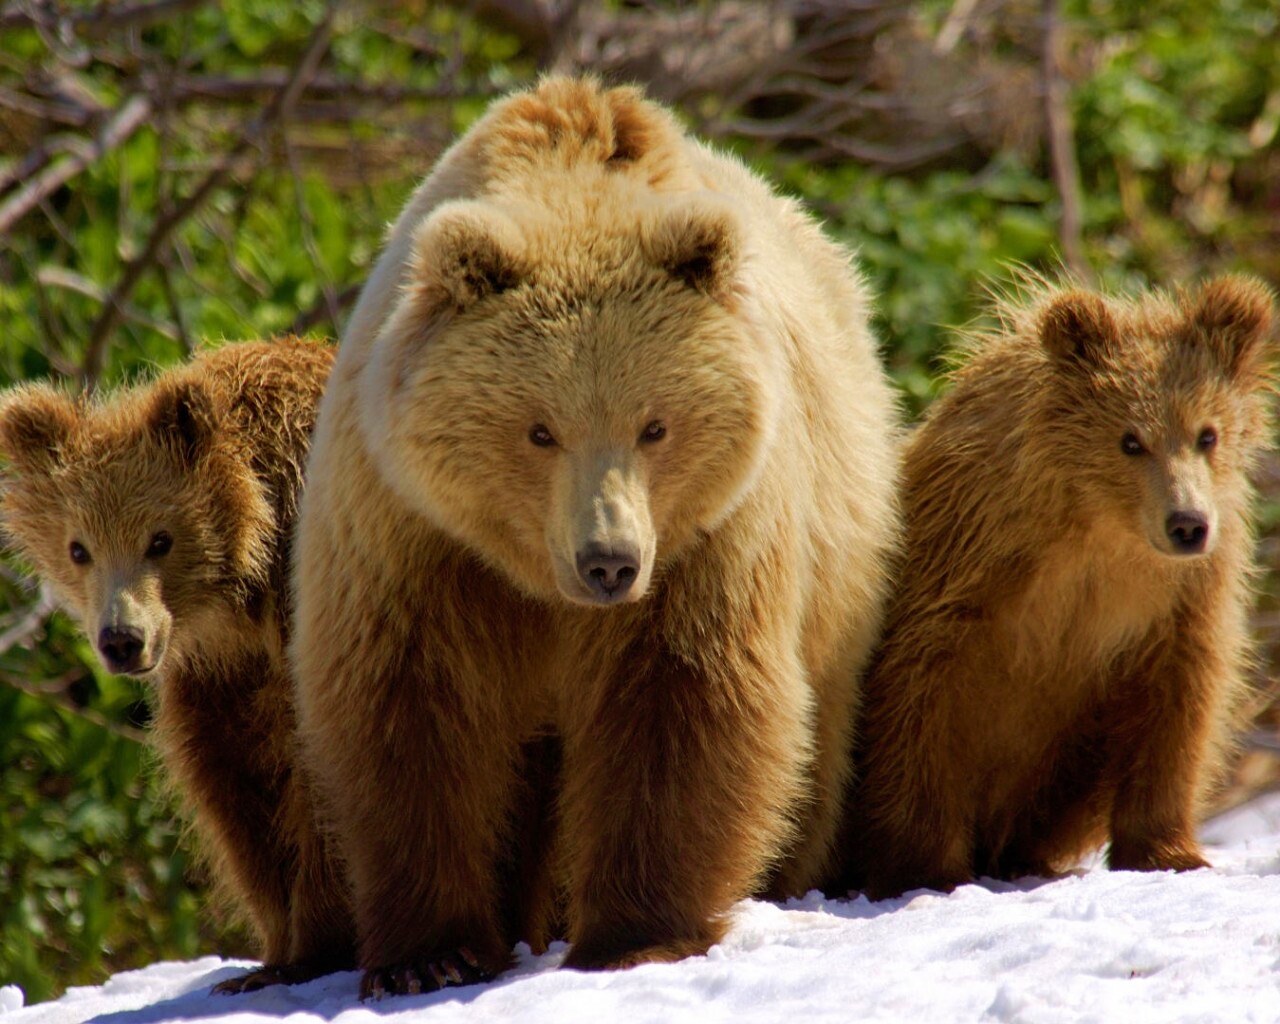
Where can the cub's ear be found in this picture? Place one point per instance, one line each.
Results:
(184, 418)
(36, 423)
(699, 243)
(1236, 317)
(1077, 327)
(465, 252)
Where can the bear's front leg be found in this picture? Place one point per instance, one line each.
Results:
(680, 782)
(910, 816)
(220, 754)
(1165, 718)
(414, 764)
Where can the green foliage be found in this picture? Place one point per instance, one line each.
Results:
(92, 874)
(1176, 104)
(928, 245)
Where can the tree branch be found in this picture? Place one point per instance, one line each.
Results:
(97, 20)
(69, 280)
(131, 115)
(253, 134)
(1062, 148)
(323, 310)
(57, 695)
(30, 623)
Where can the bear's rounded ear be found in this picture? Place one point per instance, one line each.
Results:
(465, 252)
(184, 418)
(1077, 327)
(1236, 317)
(36, 423)
(698, 243)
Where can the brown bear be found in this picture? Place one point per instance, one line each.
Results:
(608, 455)
(1068, 638)
(162, 515)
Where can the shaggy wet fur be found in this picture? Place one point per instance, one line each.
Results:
(1068, 640)
(607, 457)
(162, 516)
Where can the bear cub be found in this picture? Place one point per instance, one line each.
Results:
(161, 514)
(1069, 637)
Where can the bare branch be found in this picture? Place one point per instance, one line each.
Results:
(132, 114)
(56, 693)
(253, 134)
(265, 81)
(69, 280)
(59, 111)
(98, 20)
(175, 308)
(39, 157)
(24, 631)
(308, 225)
(325, 310)
(1062, 147)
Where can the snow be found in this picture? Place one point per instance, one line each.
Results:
(1110, 947)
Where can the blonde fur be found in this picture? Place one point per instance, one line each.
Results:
(575, 263)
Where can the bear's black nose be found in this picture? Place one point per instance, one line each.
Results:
(1189, 532)
(608, 572)
(121, 647)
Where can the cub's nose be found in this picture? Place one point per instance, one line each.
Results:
(608, 572)
(1189, 532)
(121, 647)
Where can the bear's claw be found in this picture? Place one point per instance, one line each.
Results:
(267, 974)
(460, 967)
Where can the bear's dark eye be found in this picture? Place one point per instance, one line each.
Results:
(1130, 445)
(1207, 439)
(541, 436)
(160, 545)
(655, 431)
(80, 553)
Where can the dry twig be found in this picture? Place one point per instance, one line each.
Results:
(131, 115)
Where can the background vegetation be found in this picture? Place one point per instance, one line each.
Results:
(179, 170)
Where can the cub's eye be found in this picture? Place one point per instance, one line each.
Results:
(80, 553)
(541, 436)
(1207, 439)
(1130, 445)
(655, 431)
(160, 545)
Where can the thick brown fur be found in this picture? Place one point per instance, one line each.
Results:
(1056, 672)
(209, 455)
(576, 263)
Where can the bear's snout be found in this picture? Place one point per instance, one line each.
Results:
(608, 572)
(1188, 532)
(121, 647)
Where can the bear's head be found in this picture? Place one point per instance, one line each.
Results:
(138, 510)
(1161, 405)
(576, 396)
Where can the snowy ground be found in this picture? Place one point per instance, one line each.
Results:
(1118, 948)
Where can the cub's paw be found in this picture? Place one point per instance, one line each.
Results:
(269, 974)
(587, 956)
(1169, 856)
(427, 974)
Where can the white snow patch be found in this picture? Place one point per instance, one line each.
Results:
(11, 998)
(1094, 946)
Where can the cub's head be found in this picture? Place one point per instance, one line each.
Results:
(136, 510)
(1161, 405)
(577, 395)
